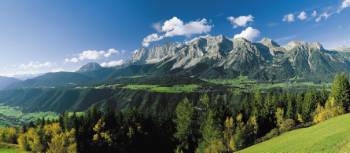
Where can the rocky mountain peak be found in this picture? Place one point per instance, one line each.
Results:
(240, 40)
(93, 66)
(302, 44)
(316, 45)
(269, 42)
(155, 54)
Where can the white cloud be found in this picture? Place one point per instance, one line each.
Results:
(288, 18)
(92, 55)
(314, 13)
(151, 38)
(345, 4)
(324, 15)
(332, 11)
(112, 63)
(157, 26)
(58, 69)
(241, 21)
(35, 65)
(176, 27)
(71, 60)
(32, 67)
(110, 52)
(302, 16)
(249, 33)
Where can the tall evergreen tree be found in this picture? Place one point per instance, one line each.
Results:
(184, 124)
(341, 90)
(211, 137)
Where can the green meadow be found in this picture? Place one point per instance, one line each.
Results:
(8, 148)
(245, 83)
(164, 89)
(13, 116)
(332, 135)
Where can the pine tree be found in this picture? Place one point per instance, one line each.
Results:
(184, 124)
(211, 139)
(290, 107)
(341, 90)
(309, 105)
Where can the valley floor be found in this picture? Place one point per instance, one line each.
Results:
(332, 135)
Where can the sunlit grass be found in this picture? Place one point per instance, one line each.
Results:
(244, 82)
(8, 148)
(164, 89)
(330, 136)
(13, 116)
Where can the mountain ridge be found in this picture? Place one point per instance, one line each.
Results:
(6, 81)
(233, 56)
(213, 57)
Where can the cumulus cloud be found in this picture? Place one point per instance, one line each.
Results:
(302, 16)
(345, 4)
(330, 11)
(249, 33)
(112, 63)
(288, 18)
(35, 65)
(241, 21)
(151, 38)
(157, 26)
(323, 16)
(92, 55)
(30, 68)
(314, 13)
(176, 27)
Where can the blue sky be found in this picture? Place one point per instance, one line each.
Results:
(38, 36)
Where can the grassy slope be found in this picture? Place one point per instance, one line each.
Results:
(8, 148)
(13, 116)
(330, 136)
(164, 89)
(244, 82)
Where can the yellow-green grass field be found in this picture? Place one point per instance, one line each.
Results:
(332, 135)
(164, 89)
(8, 148)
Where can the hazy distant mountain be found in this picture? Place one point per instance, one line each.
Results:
(88, 74)
(343, 49)
(6, 81)
(26, 76)
(90, 67)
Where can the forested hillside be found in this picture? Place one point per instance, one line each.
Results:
(208, 124)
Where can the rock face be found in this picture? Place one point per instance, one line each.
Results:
(219, 56)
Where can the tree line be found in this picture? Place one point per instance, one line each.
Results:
(209, 125)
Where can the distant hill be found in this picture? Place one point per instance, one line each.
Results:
(88, 74)
(80, 99)
(90, 67)
(6, 81)
(332, 135)
(58, 79)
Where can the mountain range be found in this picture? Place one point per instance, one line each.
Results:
(6, 81)
(213, 57)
